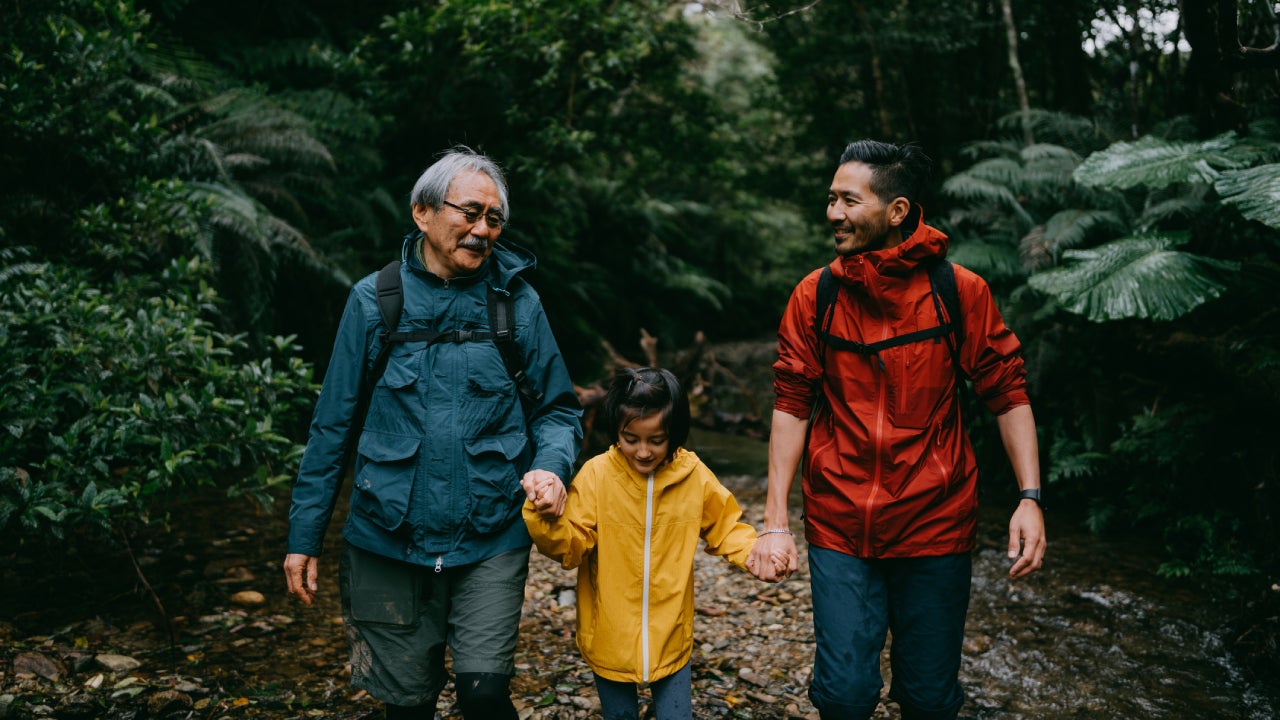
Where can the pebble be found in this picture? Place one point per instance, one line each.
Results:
(248, 597)
(117, 663)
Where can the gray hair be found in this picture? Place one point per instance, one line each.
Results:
(434, 182)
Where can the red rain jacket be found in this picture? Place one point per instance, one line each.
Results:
(889, 471)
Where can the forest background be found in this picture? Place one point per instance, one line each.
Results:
(188, 188)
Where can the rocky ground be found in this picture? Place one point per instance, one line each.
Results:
(82, 637)
(212, 635)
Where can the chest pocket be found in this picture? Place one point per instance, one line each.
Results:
(918, 375)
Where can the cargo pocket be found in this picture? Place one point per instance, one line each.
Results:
(384, 479)
(494, 483)
(379, 590)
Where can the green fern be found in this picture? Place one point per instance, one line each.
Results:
(972, 188)
(1189, 203)
(990, 260)
(1134, 277)
(1071, 228)
(1154, 163)
(1255, 192)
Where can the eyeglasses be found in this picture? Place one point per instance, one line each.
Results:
(493, 218)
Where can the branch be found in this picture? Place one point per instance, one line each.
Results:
(738, 14)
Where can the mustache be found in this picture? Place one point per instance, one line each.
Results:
(472, 242)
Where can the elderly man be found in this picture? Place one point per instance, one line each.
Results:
(435, 550)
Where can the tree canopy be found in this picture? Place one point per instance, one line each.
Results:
(189, 188)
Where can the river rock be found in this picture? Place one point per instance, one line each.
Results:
(117, 663)
(169, 701)
(30, 663)
(249, 598)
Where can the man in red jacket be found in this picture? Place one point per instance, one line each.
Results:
(889, 478)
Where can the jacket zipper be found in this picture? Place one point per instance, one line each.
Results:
(644, 605)
(879, 451)
(439, 563)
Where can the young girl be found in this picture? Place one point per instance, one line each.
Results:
(632, 521)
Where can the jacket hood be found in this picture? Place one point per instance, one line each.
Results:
(505, 262)
(680, 467)
(925, 243)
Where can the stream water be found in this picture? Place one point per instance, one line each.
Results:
(1094, 634)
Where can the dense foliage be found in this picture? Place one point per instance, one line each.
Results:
(668, 162)
(119, 394)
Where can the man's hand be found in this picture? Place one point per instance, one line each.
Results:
(546, 491)
(301, 574)
(774, 557)
(1026, 539)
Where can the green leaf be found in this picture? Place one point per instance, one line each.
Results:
(1155, 163)
(1135, 277)
(1255, 192)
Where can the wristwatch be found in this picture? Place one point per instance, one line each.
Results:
(1033, 494)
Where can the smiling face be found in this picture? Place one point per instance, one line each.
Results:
(451, 245)
(644, 442)
(860, 220)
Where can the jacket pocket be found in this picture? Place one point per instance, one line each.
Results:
(384, 477)
(496, 497)
(916, 389)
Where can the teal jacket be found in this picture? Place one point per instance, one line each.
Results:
(445, 442)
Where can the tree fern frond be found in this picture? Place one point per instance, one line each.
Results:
(1070, 228)
(1183, 205)
(963, 186)
(1080, 134)
(990, 260)
(1000, 171)
(1135, 277)
(1156, 163)
(1047, 151)
(1255, 192)
(991, 148)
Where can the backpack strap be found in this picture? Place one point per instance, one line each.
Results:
(502, 324)
(502, 331)
(942, 282)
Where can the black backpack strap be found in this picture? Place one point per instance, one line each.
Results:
(942, 280)
(390, 301)
(502, 324)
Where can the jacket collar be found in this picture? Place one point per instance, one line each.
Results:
(925, 243)
(505, 262)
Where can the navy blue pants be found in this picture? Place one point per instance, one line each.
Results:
(672, 697)
(922, 602)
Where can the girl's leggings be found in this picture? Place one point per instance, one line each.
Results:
(672, 697)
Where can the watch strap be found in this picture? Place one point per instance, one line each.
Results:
(1031, 494)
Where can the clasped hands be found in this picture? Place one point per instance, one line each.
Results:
(546, 491)
(773, 558)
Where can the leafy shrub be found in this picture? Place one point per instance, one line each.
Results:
(117, 394)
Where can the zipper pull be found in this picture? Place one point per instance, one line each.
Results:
(439, 563)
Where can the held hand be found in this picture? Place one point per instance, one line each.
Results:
(774, 557)
(1026, 539)
(301, 573)
(546, 491)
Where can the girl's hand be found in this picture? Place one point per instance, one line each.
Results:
(546, 491)
(774, 557)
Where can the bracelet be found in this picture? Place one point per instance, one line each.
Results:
(776, 532)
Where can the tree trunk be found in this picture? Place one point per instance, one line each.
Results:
(1024, 106)
(877, 72)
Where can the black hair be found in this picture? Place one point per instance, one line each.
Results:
(638, 392)
(896, 170)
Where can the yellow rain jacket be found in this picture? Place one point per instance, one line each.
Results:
(635, 538)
